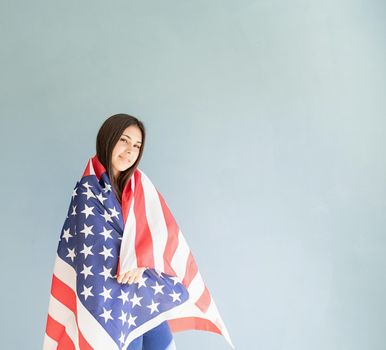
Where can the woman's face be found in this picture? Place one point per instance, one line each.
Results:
(126, 150)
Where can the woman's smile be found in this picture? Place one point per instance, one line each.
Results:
(125, 159)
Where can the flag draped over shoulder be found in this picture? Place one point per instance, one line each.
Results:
(100, 239)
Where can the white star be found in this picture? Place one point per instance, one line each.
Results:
(106, 273)
(106, 233)
(131, 320)
(107, 216)
(114, 212)
(135, 300)
(101, 198)
(175, 296)
(66, 234)
(141, 281)
(153, 307)
(87, 292)
(106, 293)
(89, 194)
(73, 210)
(87, 185)
(124, 296)
(106, 315)
(87, 230)
(157, 288)
(106, 252)
(74, 192)
(123, 317)
(107, 187)
(87, 271)
(71, 254)
(87, 210)
(122, 338)
(86, 250)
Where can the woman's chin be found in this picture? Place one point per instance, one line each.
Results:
(124, 168)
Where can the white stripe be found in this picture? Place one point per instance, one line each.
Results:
(91, 329)
(196, 287)
(180, 257)
(92, 171)
(66, 318)
(127, 255)
(49, 343)
(156, 222)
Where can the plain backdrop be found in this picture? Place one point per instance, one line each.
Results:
(266, 136)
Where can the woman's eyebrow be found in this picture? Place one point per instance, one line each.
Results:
(130, 138)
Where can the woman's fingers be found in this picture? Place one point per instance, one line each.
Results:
(126, 277)
(132, 276)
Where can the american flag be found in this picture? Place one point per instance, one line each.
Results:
(100, 239)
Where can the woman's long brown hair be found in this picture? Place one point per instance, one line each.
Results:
(108, 135)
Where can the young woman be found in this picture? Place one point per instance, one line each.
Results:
(120, 143)
(124, 276)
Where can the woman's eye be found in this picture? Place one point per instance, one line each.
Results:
(138, 147)
(122, 139)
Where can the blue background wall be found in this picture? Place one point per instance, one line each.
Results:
(266, 135)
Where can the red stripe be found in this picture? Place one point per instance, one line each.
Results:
(63, 293)
(204, 300)
(98, 167)
(188, 323)
(143, 239)
(191, 270)
(66, 296)
(173, 236)
(127, 197)
(57, 331)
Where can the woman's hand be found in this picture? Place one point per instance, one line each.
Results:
(131, 276)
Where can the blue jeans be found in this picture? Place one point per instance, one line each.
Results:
(157, 338)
